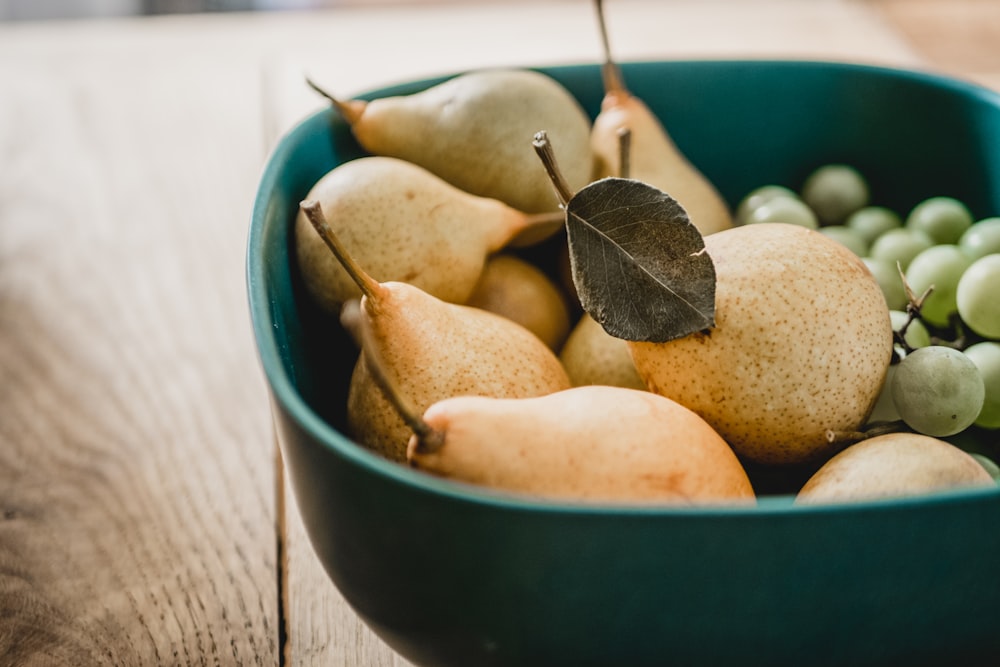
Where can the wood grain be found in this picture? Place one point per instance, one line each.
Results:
(960, 36)
(144, 518)
(322, 628)
(136, 505)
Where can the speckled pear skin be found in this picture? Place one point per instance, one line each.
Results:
(400, 222)
(475, 131)
(655, 159)
(892, 466)
(801, 346)
(435, 350)
(520, 291)
(592, 356)
(593, 443)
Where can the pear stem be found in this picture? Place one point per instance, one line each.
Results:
(350, 110)
(546, 218)
(430, 438)
(624, 152)
(370, 287)
(543, 147)
(871, 431)
(611, 74)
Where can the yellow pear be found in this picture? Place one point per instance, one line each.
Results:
(893, 465)
(475, 130)
(404, 223)
(432, 350)
(602, 444)
(800, 348)
(654, 158)
(593, 356)
(520, 291)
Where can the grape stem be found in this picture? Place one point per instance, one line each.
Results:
(913, 307)
(961, 340)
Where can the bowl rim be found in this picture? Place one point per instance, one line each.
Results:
(284, 392)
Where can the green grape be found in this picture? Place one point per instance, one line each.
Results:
(784, 209)
(885, 410)
(916, 333)
(900, 245)
(982, 238)
(977, 297)
(887, 276)
(846, 237)
(991, 467)
(759, 196)
(938, 391)
(944, 219)
(940, 266)
(986, 357)
(835, 191)
(871, 222)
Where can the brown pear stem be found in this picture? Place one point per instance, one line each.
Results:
(543, 147)
(546, 218)
(370, 287)
(611, 74)
(350, 110)
(430, 438)
(873, 430)
(624, 152)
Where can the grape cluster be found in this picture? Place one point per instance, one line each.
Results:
(939, 269)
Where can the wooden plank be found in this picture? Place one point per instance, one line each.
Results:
(961, 37)
(322, 628)
(355, 50)
(136, 478)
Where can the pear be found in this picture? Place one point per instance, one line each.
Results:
(350, 319)
(593, 356)
(404, 223)
(601, 444)
(432, 349)
(473, 130)
(800, 349)
(654, 158)
(520, 291)
(893, 465)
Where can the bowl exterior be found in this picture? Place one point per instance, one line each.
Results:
(451, 575)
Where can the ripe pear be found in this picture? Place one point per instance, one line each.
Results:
(654, 158)
(893, 465)
(800, 349)
(593, 356)
(596, 444)
(474, 131)
(431, 349)
(404, 223)
(520, 291)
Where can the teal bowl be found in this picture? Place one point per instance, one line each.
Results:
(449, 574)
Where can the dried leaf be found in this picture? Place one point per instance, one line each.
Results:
(639, 265)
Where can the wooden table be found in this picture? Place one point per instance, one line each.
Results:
(143, 514)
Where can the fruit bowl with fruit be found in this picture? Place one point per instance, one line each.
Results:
(536, 524)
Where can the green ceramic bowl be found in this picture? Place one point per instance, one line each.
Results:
(449, 574)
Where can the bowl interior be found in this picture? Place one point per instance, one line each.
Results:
(744, 124)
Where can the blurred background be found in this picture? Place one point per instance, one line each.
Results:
(32, 10)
